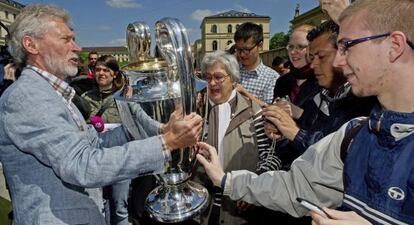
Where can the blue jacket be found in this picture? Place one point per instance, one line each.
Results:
(53, 169)
(379, 169)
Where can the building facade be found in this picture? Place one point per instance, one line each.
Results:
(313, 17)
(217, 31)
(8, 12)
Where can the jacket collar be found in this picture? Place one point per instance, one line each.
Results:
(390, 127)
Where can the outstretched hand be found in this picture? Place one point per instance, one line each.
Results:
(183, 132)
(338, 218)
(174, 117)
(208, 158)
(334, 8)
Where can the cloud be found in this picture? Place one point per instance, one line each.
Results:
(104, 28)
(123, 4)
(199, 14)
(242, 8)
(118, 42)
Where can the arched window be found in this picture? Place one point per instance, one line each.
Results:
(237, 26)
(214, 45)
(229, 28)
(214, 28)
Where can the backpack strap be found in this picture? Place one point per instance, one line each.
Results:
(349, 136)
(104, 107)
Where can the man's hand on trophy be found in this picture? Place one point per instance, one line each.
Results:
(174, 117)
(183, 132)
(208, 158)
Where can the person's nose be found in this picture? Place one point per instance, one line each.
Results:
(76, 47)
(339, 60)
(314, 62)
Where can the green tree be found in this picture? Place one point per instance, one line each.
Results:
(279, 40)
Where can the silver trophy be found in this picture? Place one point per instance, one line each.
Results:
(161, 85)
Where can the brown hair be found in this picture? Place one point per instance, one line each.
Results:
(111, 63)
(382, 16)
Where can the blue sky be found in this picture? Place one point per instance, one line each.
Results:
(103, 22)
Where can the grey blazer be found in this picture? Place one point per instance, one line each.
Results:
(54, 170)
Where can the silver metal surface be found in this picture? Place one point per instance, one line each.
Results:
(160, 86)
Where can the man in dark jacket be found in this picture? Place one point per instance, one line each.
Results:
(327, 110)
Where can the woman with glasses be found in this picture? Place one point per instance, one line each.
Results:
(300, 82)
(235, 128)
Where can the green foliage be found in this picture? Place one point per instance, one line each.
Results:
(279, 40)
(84, 56)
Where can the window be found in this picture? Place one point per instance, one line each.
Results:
(6, 14)
(214, 45)
(237, 26)
(214, 28)
(229, 42)
(229, 28)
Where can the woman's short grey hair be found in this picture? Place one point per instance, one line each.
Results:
(229, 63)
(32, 21)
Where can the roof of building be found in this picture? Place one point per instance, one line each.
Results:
(105, 49)
(12, 3)
(234, 13)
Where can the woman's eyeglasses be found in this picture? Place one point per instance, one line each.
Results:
(218, 77)
(298, 48)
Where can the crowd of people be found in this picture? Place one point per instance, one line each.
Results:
(333, 124)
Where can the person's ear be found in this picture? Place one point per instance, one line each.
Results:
(30, 45)
(260, 45)
(398, 44)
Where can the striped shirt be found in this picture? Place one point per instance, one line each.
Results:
(260, 82)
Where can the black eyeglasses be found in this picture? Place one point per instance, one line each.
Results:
(245, 50)
(410, 44)
(344, 45)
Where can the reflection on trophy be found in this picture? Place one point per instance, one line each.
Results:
(160, 86)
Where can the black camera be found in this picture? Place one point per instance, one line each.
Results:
(5, 57)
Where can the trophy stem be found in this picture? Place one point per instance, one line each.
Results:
(171, 203)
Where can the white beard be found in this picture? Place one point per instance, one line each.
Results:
(60, 67)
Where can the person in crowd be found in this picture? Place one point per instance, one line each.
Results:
(103, 106)
(91, 68)
(235, 128)
(281, 65)
(299, 84)
(109, 79)
(256, 79)
(326, 111)
(53, 162)
(85, 79)
(371, 177)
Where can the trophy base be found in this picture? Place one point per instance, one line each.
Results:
(176, 203)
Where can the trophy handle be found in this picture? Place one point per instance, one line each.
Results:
(139, 41)
(172, 41)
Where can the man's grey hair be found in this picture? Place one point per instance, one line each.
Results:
(228, 61)
(33, 21)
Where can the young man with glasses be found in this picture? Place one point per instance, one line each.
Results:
(373, 175)
(258, 79)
